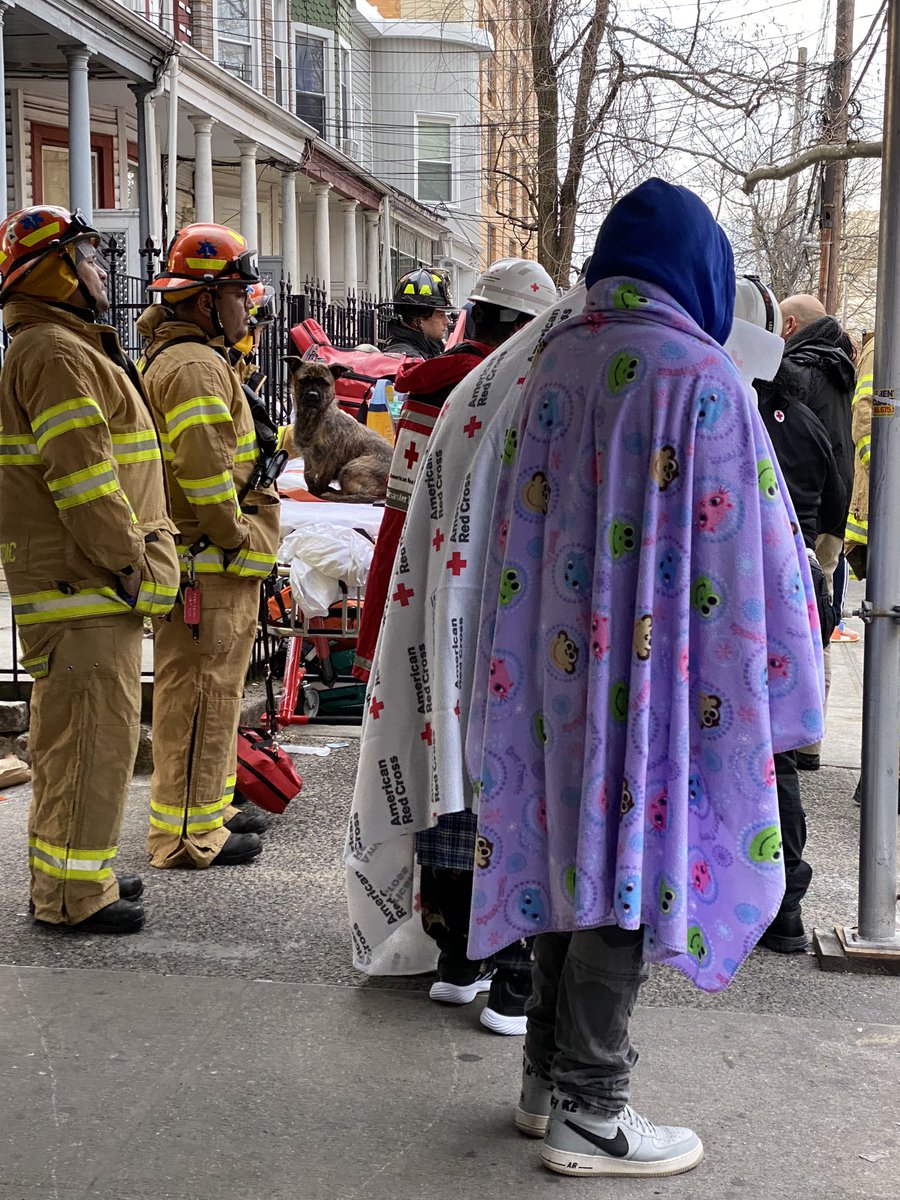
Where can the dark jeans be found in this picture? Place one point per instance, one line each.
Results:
(584, 988)
(797, 872)
(446, 897)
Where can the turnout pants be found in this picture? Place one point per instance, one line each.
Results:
(85, 721)
(584, 988)
(196, 709)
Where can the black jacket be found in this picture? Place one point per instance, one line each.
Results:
(402, 339)
(803, 449)
(824, 379)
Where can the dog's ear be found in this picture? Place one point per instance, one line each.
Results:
(337, 370)
(294, 362)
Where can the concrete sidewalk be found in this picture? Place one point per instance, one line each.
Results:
(230, 1052)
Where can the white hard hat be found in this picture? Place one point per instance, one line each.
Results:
(755, 303)
(515, 284)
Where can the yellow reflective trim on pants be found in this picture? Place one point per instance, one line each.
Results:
(38, 667)
(37, 608)
(71, 414)
(196, 818)
(81, 487)
(140, 446)
(64, 863)
(201, 410)
(17, 450)
(250, 564)
(212, 489)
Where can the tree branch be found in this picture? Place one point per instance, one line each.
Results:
(828, 152)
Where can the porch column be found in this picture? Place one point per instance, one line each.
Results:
(351, 266)
(323, 237)
(81, 184)
(141, 92)
(373, 241)
(289, 223)
(4, 182)
(249, 203)
(204, 209)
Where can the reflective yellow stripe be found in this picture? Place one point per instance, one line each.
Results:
(39, 235)
(202, 410)
(864, 449)
(37, 608)
(140, 446)
(37, 667)
(166, 446)
(196, 818)
(64, 863)
(250, 563)
(18, 451)
(857, 530)
(212, 489)
(155, 599)
(206, 264)
(85, 485)
(247, 450)
(864, 387)
(210, 561)
(71, 414)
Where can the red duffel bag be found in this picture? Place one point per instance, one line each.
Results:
(265, 774)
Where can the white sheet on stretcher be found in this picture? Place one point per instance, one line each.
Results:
(321, 545)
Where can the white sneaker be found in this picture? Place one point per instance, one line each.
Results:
(533, 1109)
(578, 1142)
(446, 992)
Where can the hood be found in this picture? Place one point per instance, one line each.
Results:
(159, 330)
(666, 235)
(149, 320)
(824, 344)
(26, 310)
(443, 372)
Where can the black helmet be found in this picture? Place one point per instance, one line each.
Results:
(424, 289)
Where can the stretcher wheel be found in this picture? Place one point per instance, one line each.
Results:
(310, 702)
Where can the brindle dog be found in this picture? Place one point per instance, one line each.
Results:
(333, 444)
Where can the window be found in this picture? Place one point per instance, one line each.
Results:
(344, 62)
(50, 166)
(235, 41)
(280, 49)
(309, 81)
(434, 163)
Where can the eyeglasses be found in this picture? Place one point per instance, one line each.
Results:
(87, 251)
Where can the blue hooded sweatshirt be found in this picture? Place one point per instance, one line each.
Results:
(666, 235)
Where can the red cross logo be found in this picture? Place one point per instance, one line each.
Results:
(411, 455)
(456, 563)
(456, 708)
(425, 735)
(535, 287)
(403, 594)
(472, 428)
(521, 381)
(438, 540)
(375, 708)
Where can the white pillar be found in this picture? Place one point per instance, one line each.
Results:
(373, 241)
(351, 265)
(289, 224)
(81, 184)
(249, 202)
(323, 237)
(204, 206)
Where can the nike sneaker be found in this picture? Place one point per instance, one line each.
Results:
(578, 1142)
(504, 1012)
(460, 990)
(533, 1109)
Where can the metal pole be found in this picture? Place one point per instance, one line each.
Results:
(141, 92)
(881, 691)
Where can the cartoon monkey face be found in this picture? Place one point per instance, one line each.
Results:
(664, 467)
(641, 640)
(483, 851)
(710, 711)
(627, 799)
(510, 586)
(564, 653)
(536, 493)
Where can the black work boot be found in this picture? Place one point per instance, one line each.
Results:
(240, 848)
(786, 934)
(807, 762)
(251, 820)
(122, 916)
(131, 887)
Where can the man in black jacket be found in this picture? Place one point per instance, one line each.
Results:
(420, 304)
(823, 378)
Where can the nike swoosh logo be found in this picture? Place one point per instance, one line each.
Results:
(617, 1146)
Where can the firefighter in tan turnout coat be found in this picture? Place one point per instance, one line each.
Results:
(88, 550)
(227, 538)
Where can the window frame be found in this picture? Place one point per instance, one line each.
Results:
(451, 121)
(343, 121)
(318, 34)
(252, 42)
(57, 137)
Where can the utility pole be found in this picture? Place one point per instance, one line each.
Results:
(797, 131)
(836, 125)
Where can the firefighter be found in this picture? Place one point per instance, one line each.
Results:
(227, 537)
(88, 550)
(243, 356)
